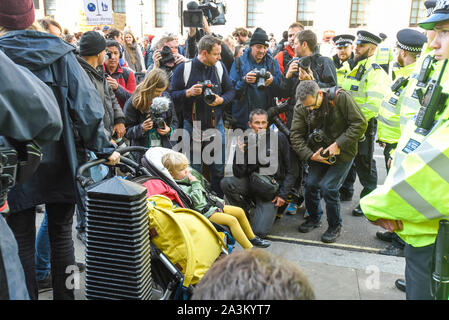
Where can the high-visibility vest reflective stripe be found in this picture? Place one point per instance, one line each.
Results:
(388, 127)
(370, 90)
(416, 190)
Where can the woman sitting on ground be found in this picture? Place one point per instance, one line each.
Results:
(211, 206)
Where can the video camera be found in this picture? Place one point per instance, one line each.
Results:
(262, 76)
(304, 63)
(158, 110)
(318, 139)
(214, 11)
(208, 91)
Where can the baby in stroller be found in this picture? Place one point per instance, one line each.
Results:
(209, 205)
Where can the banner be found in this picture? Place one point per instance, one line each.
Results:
(98, 12)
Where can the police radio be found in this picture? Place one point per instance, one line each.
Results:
(432, 102)
(426, 69)
(399, 83)
(360, 73)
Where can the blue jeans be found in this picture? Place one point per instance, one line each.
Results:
(216, 170)
(325, 180)
(43, 250)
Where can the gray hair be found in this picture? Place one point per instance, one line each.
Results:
(257, 112)
(306, 88)
(207, 43)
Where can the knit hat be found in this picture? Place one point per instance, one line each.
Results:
(91, 44)
(16, 14)
(259, 37)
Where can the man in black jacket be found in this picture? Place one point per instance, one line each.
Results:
(238, 189)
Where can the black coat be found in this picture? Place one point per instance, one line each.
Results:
(52, 60)
(133, 123)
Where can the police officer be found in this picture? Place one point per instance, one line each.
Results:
(411, 202)
(409, 45)
(344, 58)
(367, 82)
(384, 54)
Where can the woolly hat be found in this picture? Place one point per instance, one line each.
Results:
(259, 37)
(16, 14)
(91, 44)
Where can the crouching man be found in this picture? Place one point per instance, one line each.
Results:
(264, 153)
(327, 125)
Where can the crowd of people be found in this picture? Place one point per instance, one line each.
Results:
(301, 120)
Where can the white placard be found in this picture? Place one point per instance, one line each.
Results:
(98, 12)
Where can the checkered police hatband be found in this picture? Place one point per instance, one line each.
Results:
(344, 40)
(429, 12)
(442, 5)
(367, 39)
(408, 48)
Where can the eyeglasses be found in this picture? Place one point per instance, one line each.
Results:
(312, 105)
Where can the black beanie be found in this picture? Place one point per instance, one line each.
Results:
(259, 37)
(91, 44)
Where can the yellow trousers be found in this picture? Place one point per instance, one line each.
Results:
(235, 219)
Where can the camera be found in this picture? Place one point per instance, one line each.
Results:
(273, 116)
(8, 169)
(262, 76)
(214, 11)
(304, 63)
(107, 56)
(167, 56)
(208, 91)
(318, 139)
(158, 112)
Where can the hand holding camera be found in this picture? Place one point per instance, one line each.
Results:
(165, 131)
(194, 91)
(318, 157)
(147, 124)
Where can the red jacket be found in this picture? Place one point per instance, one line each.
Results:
(280, 57)
(127, 83)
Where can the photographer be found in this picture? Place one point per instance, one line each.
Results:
(121, 79)
(92, 55)
(150, 124)
(189, 92)
(34, 98)
(326, 128)
(240, 188)
(256, 77)
(166, 56)
(286, 55)
(53, 183)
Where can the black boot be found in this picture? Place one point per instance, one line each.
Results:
(357, 211)
(400, 284)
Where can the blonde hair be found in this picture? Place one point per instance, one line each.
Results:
(35, 26)
(128, 48)
(175, 161)
(144, 93)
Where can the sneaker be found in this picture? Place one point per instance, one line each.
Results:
(331, 234)
(308, 226)
(45, 284)
(81, 235)
(261, 243)
(291, 209)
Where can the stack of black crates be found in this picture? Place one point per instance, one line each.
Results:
(118, 262)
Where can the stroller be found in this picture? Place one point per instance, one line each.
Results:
(121, 260)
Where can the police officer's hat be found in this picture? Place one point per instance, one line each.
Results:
(430, 6)
(440, 13)
(367, 37)
(410, 40)
(343, 40)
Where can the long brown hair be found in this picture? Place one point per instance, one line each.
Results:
(144, 93)
(128, 48)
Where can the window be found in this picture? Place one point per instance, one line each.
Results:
(119, 6)
(306, 12)
(418, 12)
(50, 8)
(358, 13)
(36, 4)
(255, 13)
(161, 12)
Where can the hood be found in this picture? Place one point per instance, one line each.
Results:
(33, 49)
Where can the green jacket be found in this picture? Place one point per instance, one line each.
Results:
(346, 125)
(196, 190)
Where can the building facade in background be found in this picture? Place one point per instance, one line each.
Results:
(341, 16)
